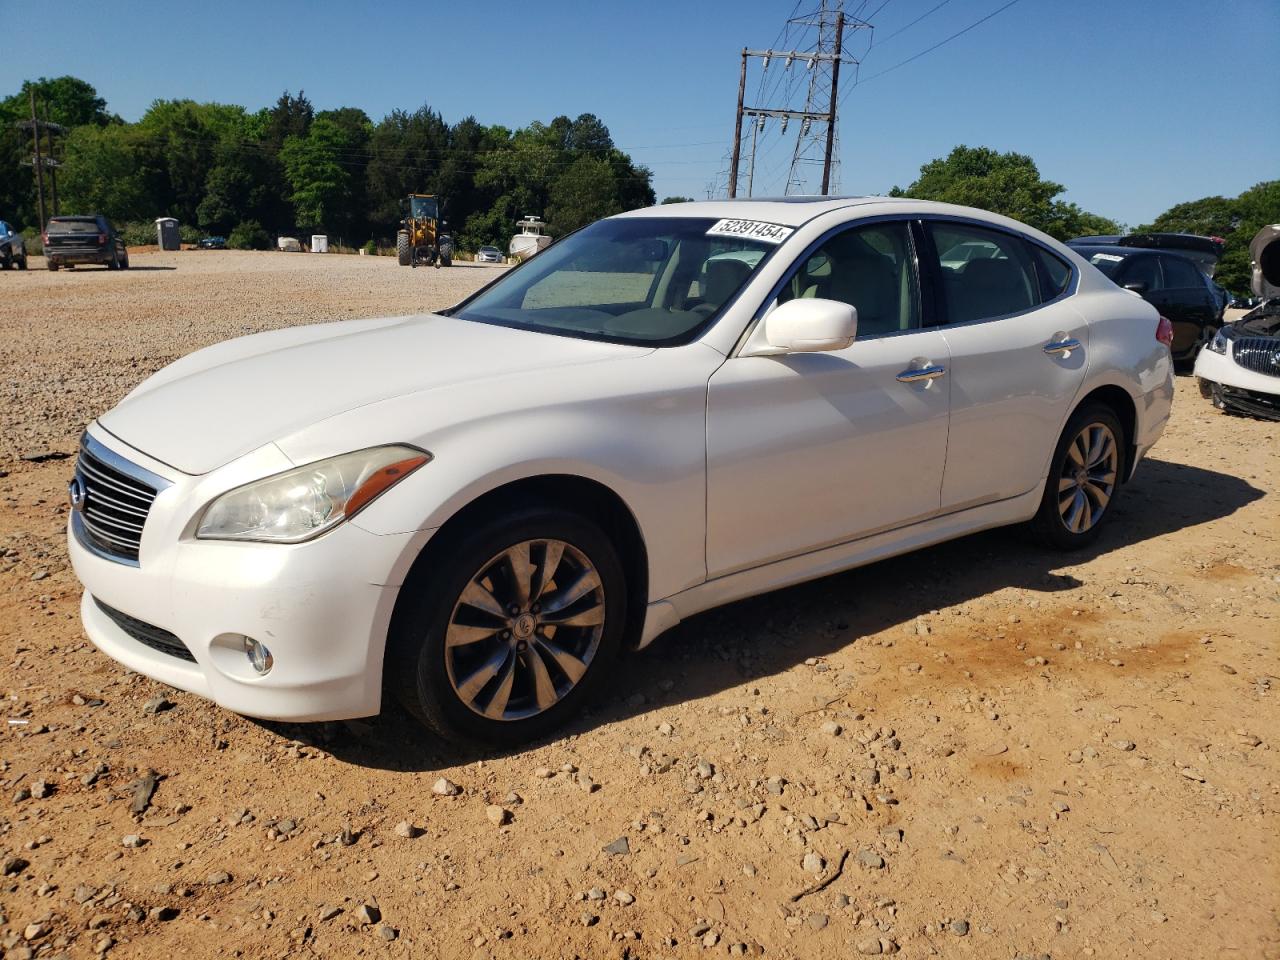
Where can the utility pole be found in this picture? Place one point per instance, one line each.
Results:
(39, 162)
(831, 115)
(737, 129)
(38, 166)
(751, 170)
(816, 139)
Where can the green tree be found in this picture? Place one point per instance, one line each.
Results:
(322, 185)
(1005, 183)
(102, 173)
(586, 191)
(1235, 219)
(666, 200)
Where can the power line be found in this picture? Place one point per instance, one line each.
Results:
(958, 33)
(931, 10)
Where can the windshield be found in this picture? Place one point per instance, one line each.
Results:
(1108, 263)
(644, 280)
(422, 208)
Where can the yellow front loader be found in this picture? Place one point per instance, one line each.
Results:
(420, 240)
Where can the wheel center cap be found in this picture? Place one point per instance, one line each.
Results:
(523, 626)
(1081, 477)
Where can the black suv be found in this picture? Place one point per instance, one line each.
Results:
(90, 239)
(1170, 282)
(12, 249)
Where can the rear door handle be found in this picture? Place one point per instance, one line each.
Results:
(916, 374)
(1061, 345)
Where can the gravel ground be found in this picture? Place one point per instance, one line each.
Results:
(980, 750)
(92, 333)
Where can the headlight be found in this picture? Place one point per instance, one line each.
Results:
(305, 502)
(1219, 343)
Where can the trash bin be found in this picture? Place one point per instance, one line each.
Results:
(167, 235)
(319, 243)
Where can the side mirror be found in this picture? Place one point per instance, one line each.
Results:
(1138, 286)
(810, 326)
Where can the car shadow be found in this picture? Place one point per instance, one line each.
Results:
(702, 656)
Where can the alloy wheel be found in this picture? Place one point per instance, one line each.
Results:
(525, 629)
(1088, 477)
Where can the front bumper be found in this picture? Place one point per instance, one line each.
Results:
(1244, 391)
(322, 608)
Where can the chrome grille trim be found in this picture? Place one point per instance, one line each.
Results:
(118, 498)
(1259, 354)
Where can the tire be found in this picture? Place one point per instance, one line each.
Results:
(403, 254)
(446, 260)
(527, 694)
(1084, 479)
(51, 265)
(114, 262)
(22, 264)
(124, 264)
(7, 262)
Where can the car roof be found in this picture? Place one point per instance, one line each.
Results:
(794, 211)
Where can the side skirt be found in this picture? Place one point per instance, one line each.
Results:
(662, 615)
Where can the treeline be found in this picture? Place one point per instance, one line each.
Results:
(290, 169)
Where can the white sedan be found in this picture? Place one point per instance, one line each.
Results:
(479, 510)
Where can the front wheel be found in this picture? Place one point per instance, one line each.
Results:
(512, 628)
(22, 264)
(1084, 478)
(403, 252)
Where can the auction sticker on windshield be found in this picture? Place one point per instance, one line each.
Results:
(751, 230)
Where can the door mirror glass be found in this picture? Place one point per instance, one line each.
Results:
(810, 326)
(1137, 286)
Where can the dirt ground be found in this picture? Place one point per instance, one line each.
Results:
(982, 750)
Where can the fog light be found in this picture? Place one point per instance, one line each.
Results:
(259, 656)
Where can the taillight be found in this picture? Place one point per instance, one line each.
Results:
(1164, 332)
(102, 239)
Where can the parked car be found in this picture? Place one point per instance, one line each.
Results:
(13, 249)
(488, 255)
(1169, 282)
(212, 243)
(1205, 252)
(481, 509)
(71, 241)
(1240, 369)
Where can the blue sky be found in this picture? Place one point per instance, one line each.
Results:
(1132, 104)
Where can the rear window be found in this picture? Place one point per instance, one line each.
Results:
(73, 225)
(1181, 273)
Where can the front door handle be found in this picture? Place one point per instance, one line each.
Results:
(916, 374)
(1061, 344)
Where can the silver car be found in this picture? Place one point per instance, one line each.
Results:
(488, 255)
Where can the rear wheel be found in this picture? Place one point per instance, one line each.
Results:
(512, 630)
(124, 263)
(22, 264)
(402, 249)
(1084, 478)
(114, 262)
(51, 265)
(6, 262)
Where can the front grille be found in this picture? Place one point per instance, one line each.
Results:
(115, 506)
(1259, 354)
(146, 634)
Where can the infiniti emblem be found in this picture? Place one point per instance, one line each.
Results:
(77, 494)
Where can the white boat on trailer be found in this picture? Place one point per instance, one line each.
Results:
(530, 239)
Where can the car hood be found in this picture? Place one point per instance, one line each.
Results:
(1264, 251)
(222, 402)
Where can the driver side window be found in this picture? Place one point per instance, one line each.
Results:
(872, 269)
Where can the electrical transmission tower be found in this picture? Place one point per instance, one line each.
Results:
(40, 162)
(816, 134)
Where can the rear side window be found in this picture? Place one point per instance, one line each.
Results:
(1180, 273)
(985, 273)
(1055, 273)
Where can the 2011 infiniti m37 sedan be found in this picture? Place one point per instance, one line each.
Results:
(478, 511)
